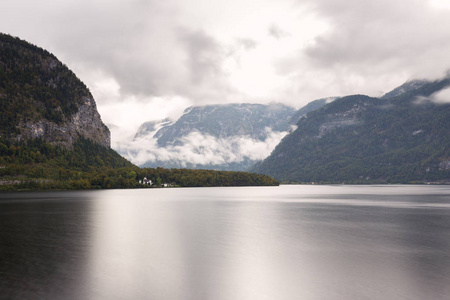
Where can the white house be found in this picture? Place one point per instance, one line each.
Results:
(146, 181)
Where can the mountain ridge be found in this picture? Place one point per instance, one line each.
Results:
(212, 137)
(360, 139)
(226, 120)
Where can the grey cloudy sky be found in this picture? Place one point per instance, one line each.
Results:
(148, 59)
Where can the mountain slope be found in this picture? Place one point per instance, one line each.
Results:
(358, 139)
(408, 86)
(222, 121)
(51, 134)
(41, 98)
(150, 128)
(311, 106)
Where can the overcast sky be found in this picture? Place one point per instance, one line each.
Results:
(149, 59)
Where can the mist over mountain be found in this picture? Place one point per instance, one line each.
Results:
(225, 137)
(402, 137)
(151, 127)
(408, 86)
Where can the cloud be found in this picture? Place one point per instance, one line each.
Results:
(203, 55)
(135, 44)
(198, 148)
(369, 47)
(124, 117)
(441, 97)
(247, 43)
(203, 63)
(383, 36)
(148, 47)
(276, 32)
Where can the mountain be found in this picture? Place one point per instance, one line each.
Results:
(220, 137)
(402, 137)
(151, 127)
(222, 121)
(311, 106)
(408, 86)
(41, 98)
(51, 134)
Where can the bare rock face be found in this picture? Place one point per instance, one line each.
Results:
(85, 123)
(88, 123)
(41, 98)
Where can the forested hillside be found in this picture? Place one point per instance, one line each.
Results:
(41, 98)
(400, 138)
(40, 165)
(30, 75)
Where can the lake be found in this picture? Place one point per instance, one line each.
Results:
(288, 242)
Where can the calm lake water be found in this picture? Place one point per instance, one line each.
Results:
(287, 242)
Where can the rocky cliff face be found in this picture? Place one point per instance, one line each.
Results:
(41, 98)
(86, 122)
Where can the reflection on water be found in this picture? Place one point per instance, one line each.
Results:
(288, 242)
(43, 242)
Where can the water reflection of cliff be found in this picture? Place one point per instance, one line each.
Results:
(43, 245)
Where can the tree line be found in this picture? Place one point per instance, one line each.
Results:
(38, 165)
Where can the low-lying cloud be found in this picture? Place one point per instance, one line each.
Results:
(202, 149)
(440, 97)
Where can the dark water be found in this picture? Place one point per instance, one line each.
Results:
(288, 242)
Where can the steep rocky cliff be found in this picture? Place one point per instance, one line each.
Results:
(41, 98)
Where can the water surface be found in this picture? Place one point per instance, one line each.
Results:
(288, 242)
